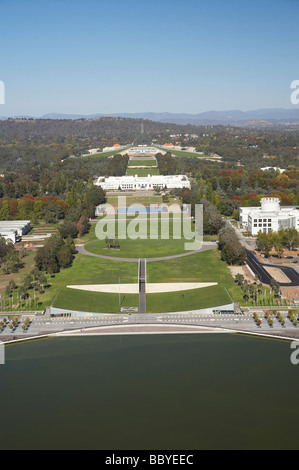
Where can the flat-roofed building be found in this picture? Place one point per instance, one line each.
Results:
(14, 229)
(9, 235)
(270, 217)
(135, 183)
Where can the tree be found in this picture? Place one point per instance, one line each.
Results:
(292, 238)
(11, 287)
(209, 192)
(50, 216)
(55, 254)
(72, 197)
(226, 208)
(275, 286)
(239, 279)
(12, 263)
(231, 250)
(264, 243)
(68, 228)
(83, 225)
(277, 243)
(64, 257)
(4, 211)
(28, 282)
(38, 209)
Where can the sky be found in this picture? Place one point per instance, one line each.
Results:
(178, 56)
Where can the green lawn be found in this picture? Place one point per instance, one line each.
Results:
(140, 162)
(87, 270)
(143, 247)
(104, 154)
(188, 300)
(142, 172)
(94, 302)
(182, 153)
(133, 198)
(201, 267)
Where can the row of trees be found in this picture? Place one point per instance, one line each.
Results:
(51, 208)
(284, 238)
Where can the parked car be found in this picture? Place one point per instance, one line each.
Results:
(289, 257)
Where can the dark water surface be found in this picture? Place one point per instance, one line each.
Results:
(149, 392)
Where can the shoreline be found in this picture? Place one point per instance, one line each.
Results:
(175, 330)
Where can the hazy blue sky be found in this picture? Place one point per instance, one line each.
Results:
(97, 56)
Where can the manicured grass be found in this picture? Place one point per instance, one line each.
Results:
(94, 301)
(142, 172)
(144, 247)
(140, 162)
(188, 300)
(139, 248)
(88, 270)
(104, 154)
(201, 267)
(182, 153)
(135, 199)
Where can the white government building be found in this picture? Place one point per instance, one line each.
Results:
(270, 217)
(135, 183)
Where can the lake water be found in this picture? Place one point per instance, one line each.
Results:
(149, 392)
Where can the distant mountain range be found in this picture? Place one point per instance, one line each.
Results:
(235, 118)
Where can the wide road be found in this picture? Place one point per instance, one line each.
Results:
(151, 324)
(258, 268)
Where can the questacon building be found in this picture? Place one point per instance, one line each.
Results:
(270, 217)
(135, 183)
